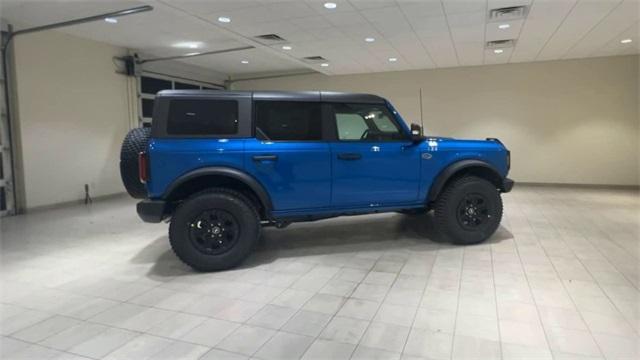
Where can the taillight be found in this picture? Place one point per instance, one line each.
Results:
(143, 169)
(508, 160)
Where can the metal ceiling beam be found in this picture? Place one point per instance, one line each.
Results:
(112, 14)
(195, 54)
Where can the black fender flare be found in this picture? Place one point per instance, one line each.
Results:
(446, 174)
(227, 172)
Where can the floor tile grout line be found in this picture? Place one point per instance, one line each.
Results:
(596, 282)
(274, 334)
(424, 291)
(108, 326)
(587, 238)
(526, 276)
(615, 244)
(378, 309)
(455, 323)
(563, 285)
(495, 295)
(301, 309)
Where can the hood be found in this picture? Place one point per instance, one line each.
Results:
(448, 142)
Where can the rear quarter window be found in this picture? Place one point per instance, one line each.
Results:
(202, 117)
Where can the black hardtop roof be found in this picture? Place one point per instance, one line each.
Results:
(328, 96)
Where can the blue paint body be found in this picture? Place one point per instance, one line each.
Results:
(308, 178)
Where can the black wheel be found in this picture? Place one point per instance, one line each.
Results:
(469, 210)
(214, 230)
(134, 143)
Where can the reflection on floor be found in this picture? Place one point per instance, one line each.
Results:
(559, 279)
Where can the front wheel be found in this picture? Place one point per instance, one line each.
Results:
(469, 210)
(214, 230)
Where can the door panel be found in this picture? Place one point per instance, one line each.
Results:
(289, 158)
(374, 162)
(297, 174)
(374, 174)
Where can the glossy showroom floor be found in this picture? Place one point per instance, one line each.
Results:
(559, 280)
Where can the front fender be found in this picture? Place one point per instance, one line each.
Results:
(462, 165)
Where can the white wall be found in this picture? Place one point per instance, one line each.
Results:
(74, 112)
(573, 121)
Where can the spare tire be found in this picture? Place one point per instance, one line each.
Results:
(134, 143)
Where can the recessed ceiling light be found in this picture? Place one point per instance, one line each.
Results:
(188, 44)
(498, 51)
(287, 47)
(625, 41)
(324, 64)
(330, 5)
(111, 20)
(369, 39)
(224, 19)
(393, 59)
(245, 61)
(503, 26)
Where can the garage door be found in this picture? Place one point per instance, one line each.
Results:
(6, 190)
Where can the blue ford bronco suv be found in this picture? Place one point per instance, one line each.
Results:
(222, 164)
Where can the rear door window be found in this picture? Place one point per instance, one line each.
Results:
(288, 120)
(202, 117)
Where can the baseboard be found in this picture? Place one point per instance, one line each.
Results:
(73, 203)
(581, 186)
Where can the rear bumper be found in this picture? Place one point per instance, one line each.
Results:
(151, 211)
(507, 185)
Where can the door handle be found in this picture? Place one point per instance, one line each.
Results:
(265, 158)
(349, 156)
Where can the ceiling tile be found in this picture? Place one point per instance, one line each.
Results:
(614, 47)
(441, 50)
(369, 4)
(470, 53)
(463, 6)
(545, 16)
(618, 20)
(585, 15)
(345, 18)
(421, 9)
(420, 33)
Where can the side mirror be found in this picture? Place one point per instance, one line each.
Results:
(416, 133)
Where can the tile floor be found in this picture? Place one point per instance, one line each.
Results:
(559, 280)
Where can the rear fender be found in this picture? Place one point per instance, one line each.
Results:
(227, 173)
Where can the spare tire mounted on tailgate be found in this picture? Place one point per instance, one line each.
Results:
(134, 143)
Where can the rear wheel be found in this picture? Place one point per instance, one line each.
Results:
(469, 210)
(214, 230)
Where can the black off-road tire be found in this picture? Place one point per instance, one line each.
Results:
(134, 143)
(452, 212)
(229, 202)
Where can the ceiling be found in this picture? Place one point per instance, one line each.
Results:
(419, 34)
